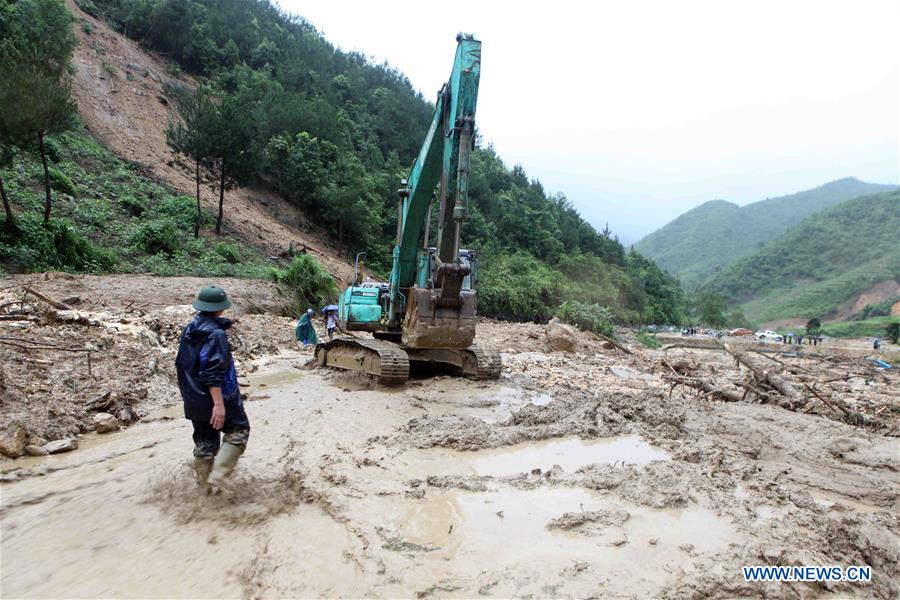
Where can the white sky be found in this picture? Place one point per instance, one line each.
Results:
(639, 110)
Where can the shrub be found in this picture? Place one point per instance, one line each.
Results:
(33, 247)
(308, 282)
(60, 182)
(230, 252)
(587, 317)
(648, 341)
(52, 149)
(132, 205)
(154, 236)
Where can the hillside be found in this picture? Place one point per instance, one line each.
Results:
(328, 136)
(825, 263)
(705, 239)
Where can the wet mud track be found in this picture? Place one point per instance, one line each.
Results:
(455, 488)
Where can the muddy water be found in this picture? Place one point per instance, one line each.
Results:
(454, 536)
(325, 507)
(569, 453)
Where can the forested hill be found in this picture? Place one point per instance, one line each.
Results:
(709, 237)
(278, 106)
(825, 261)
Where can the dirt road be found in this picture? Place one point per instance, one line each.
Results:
(574, 475)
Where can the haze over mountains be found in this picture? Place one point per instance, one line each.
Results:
(706, 239)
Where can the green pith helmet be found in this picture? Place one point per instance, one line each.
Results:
(211, 299)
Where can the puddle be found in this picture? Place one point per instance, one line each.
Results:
(260, 381)
(569, 453)
(830, 500)
(462, 534)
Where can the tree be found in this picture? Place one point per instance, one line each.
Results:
(813, 326)
(192, 136)
(36, 43)
(6, 158)
(232, 146)
(711, 309)
(893, 332)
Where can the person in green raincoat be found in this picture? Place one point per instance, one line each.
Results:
(305, 332)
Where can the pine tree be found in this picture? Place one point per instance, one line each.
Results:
(191, 138)
(36, 43)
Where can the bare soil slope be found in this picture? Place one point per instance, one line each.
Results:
(125, 96)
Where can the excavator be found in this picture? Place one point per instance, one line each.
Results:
(426, 312)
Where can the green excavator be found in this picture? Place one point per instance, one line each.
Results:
(426, 312)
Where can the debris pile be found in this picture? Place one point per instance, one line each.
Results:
(853, 390)
(65, 371)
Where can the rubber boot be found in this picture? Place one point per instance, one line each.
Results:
(224, 464)
(202, 467)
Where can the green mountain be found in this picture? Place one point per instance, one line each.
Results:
(828, 259)
(705, 239)
(330, 131)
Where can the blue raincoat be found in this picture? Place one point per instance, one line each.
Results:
(204, 361)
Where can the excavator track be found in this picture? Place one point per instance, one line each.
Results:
(488, 364)
(384, 360)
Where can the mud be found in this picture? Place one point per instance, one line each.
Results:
(573, 475)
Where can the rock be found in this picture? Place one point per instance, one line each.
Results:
(64, 445)
(35, 440)
(34, 450)
(12, 441)
(561, 336)
(624, 372)
(105, 423)
(137, 69)
(71, 300)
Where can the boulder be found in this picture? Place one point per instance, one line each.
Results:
(12, 441)
(561, 336)
(36, 440)
(34, 450)
(64, 445)
(105, 423)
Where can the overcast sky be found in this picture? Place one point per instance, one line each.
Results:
(640, 110)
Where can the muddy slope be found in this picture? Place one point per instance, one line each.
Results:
(126, 96)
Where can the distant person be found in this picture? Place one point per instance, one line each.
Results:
(799, 339)
(208, 383)
(876, 344)
(305, 332)
(330, 320)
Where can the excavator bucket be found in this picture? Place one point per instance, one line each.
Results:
(429, 325)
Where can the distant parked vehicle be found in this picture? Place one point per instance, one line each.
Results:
(767, 335)
(737, 332)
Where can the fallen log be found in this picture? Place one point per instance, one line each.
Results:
(616, 344)
(54, 303)
(706, 387)
(764, 375)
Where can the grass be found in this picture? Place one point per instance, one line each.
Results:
(648, 340)
(108, 216)
(874, 327)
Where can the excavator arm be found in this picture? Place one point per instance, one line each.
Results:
(430, 283)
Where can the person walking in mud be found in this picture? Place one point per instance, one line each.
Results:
(208, 383)
(305, 332)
